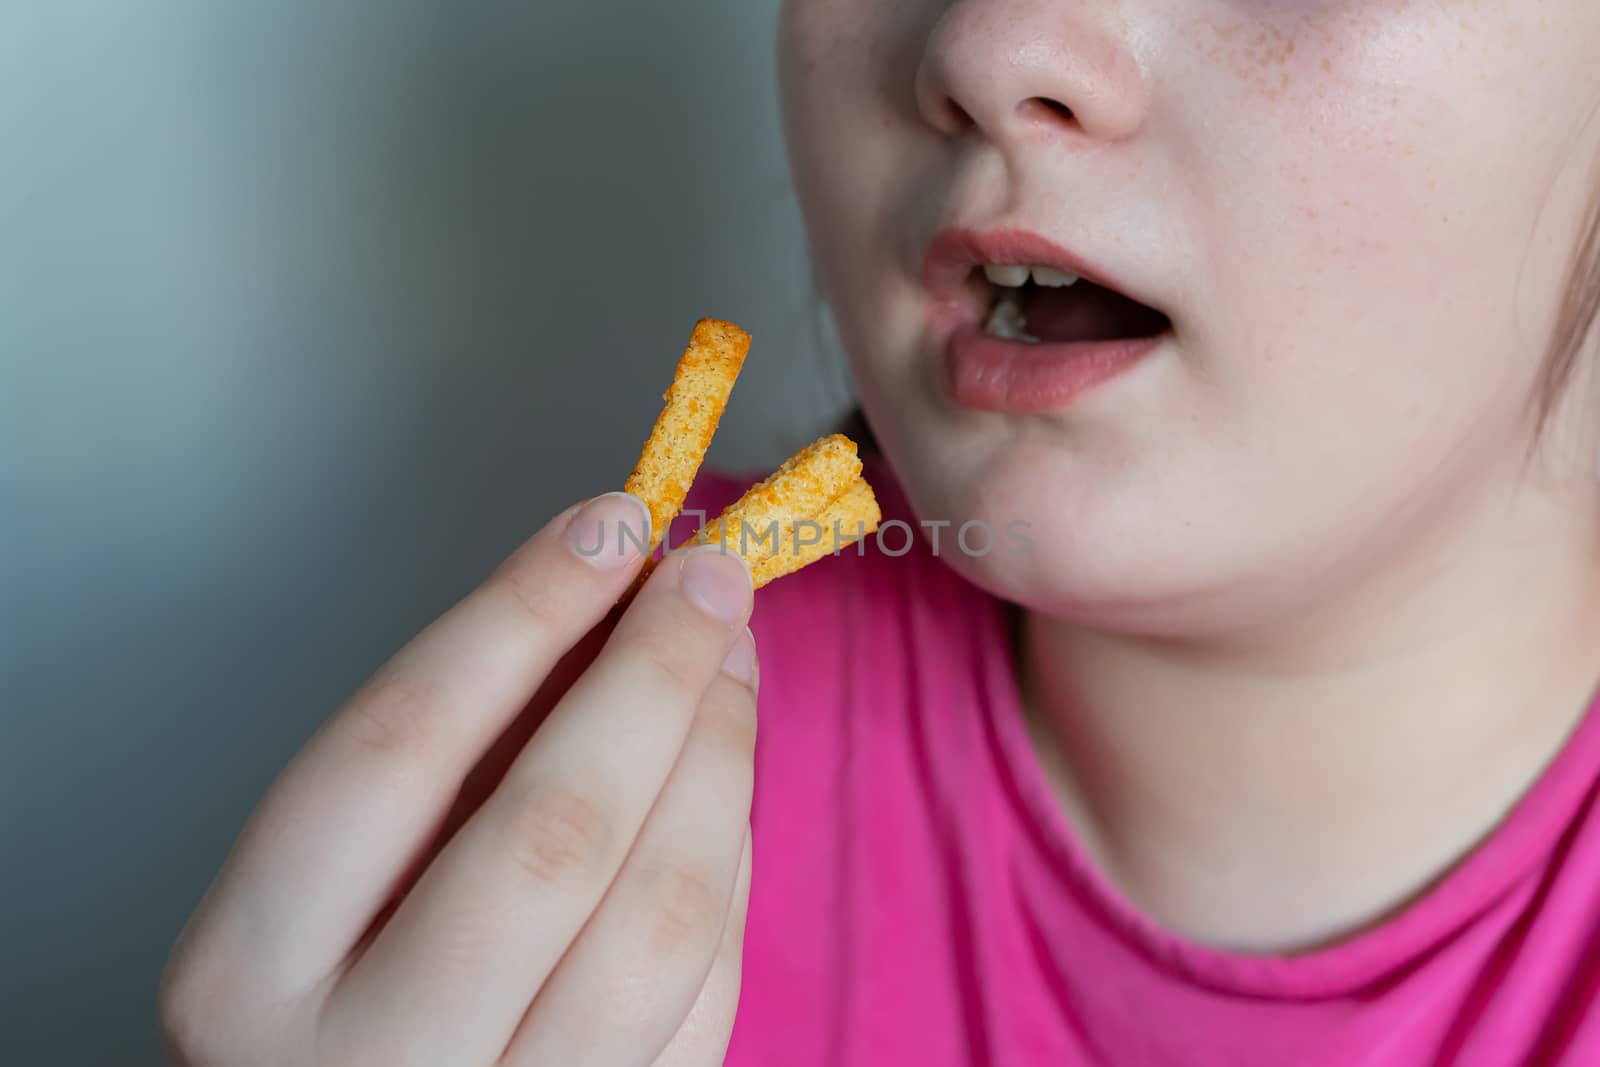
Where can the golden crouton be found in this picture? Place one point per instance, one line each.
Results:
(694, 404)
(850, 518)
(813, 505)
(786, 520)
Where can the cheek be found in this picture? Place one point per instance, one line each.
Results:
(1276, 47)
(808, 61)
(847, 71)
(826, 52)
(1371, 188)
(826, 93)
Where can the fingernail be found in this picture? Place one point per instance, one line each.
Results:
(717, 581)
(610, 531)
(741, 663)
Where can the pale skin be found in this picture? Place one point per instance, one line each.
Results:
(582, 902)
(1303, 624)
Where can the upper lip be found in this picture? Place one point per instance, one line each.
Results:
(955, 251)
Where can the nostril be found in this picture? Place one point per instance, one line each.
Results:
(1043, 110)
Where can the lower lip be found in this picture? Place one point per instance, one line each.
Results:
(987, 373)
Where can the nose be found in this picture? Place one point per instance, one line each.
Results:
(1013, 69)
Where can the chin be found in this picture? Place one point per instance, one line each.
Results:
(1087, 542)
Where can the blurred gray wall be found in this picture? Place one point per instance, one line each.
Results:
(310, 311)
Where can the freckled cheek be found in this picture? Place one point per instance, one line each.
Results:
(1324, 226)
(1355, 109)
(1337, 170)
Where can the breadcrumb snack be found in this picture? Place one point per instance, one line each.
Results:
(695, 402)
(846, 520)
(815, 504)
(787, 520)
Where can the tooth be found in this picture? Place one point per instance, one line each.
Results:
(1010, 277)
(1052, 278)
(1007, 323)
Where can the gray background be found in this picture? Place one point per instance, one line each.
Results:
(311, 311)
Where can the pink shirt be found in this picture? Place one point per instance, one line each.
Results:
(918, 898)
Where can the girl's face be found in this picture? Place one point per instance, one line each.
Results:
(1354, 215)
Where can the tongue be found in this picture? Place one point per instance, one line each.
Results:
(1087, 312)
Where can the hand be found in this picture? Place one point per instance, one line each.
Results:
(426, 884)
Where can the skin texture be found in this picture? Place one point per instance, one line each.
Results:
(1301, 601)
(523, 841)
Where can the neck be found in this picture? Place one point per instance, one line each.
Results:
(1278, 790)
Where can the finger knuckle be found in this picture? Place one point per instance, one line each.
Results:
(532, 595)
(392, 715)
(688, 913)
(727, 719)
(559, 835)
(668, 667)
(462, 938)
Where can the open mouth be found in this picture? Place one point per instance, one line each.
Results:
(1026, 325)
(1044, 305)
